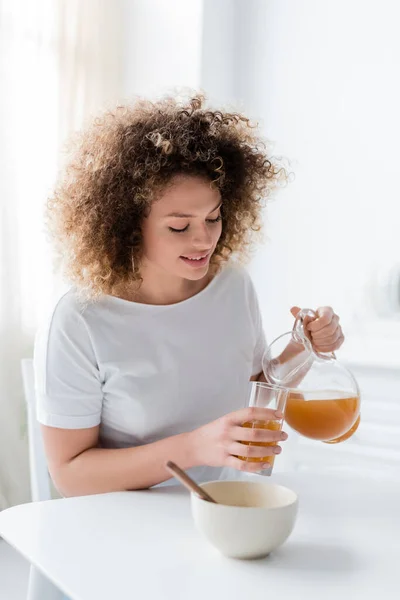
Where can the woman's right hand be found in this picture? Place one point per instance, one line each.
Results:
(218, 444)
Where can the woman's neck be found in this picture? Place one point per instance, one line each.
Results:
(162, 289)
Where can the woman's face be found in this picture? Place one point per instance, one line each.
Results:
(183, 228)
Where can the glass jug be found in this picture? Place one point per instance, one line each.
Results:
(323, 402)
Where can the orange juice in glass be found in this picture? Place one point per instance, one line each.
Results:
(265, 395)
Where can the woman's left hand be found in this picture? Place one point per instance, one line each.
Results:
(324, 331)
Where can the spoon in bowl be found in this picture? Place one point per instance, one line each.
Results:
(188, 482)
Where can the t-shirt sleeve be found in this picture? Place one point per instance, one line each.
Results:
(67, 379)
(260, 339)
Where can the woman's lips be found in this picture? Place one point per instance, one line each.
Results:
(196, 261)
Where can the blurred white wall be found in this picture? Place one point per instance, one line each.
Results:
(329, 97)
(162, 45)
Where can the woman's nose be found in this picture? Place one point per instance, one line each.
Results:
(202, 238)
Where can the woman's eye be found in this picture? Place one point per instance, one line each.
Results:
(217, 220)
(178, 230)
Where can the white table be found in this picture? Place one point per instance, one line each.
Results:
(346, 544)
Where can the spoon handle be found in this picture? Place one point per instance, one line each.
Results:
(188, 482)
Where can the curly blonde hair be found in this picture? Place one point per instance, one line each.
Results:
(119, 165)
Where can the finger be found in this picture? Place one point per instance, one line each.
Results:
(295, 310)
(238, 449)
(327, 341)
(339, 343)
(256, 434)
(306, 321)
(324, 318)
(254, 414)
(328, 330)
(247, 466)
(331, 347)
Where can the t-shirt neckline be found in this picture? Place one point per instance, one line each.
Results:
(143, 306)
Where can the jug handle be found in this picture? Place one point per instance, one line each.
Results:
(300, 336)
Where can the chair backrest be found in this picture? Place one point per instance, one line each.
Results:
(40, 480)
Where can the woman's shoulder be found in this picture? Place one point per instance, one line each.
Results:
(235, 275)
(65, 314)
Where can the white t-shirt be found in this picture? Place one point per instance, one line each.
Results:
(146, 372)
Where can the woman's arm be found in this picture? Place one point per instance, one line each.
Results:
(79, 467)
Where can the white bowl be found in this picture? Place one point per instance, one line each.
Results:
(251, 519)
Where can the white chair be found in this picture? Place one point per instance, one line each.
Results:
(39, 587)
(40, 480)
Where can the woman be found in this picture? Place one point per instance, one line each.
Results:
(147, 358)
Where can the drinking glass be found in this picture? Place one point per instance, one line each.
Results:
(265, 395)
